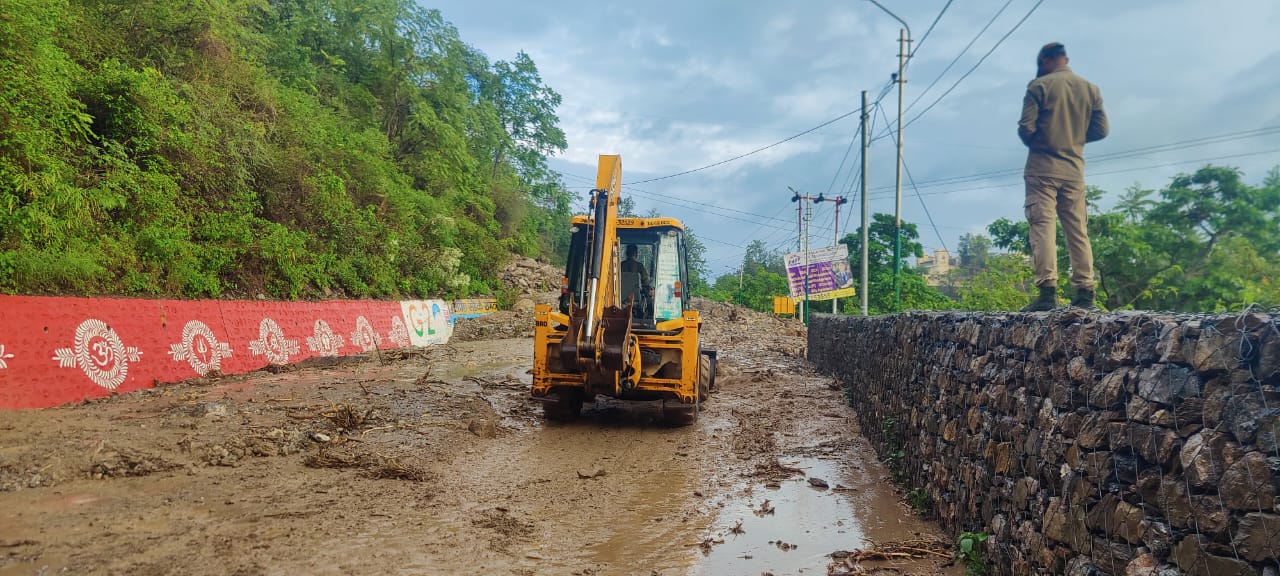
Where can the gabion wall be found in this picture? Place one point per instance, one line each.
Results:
(1125, 444)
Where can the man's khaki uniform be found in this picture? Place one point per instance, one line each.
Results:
(1061, 112)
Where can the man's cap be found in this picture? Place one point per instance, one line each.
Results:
(1053, 51)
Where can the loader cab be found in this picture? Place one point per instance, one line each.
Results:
(651, 266)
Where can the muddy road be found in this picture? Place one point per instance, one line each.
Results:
(435, 462)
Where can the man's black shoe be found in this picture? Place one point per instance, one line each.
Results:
(1046, 301)
(1085, 299)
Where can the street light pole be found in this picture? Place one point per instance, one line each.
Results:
(904, 40)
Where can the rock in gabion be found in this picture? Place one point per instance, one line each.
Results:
(1083, 443)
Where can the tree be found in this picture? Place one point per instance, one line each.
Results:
(1206, 242)
(758, 288)
(696, 259)
(1002, 285)
(288, 147)
(974, 249)
(915, 293)
(759, 257)
(627, 207)
(526, 108)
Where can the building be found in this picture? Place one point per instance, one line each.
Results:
(935, 268)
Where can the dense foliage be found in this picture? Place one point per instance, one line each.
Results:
(288, 147)
(1206, 242)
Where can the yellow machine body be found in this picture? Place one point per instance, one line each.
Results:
(623, 328)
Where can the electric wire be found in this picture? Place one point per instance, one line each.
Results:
(976, 65)
(746, 154)
(920, 42)
(1109, 157)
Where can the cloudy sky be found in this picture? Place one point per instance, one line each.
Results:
(673, 86)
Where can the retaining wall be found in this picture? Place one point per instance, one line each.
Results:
(1134, 443)
(58, 350)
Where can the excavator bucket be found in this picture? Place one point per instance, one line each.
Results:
(615, 332)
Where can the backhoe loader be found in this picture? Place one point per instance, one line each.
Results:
(624, 327)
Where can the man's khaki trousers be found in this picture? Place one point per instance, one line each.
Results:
(1047, 197)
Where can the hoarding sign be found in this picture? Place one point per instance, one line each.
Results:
(828, 273)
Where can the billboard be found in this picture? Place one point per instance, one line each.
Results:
(828, 274)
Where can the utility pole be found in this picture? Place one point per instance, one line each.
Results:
(804, 213)
(904, 40)
(865, 203)
(839, 200)
(808, 216)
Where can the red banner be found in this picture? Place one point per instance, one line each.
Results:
(58, 350)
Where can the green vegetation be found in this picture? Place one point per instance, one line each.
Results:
(915, 294)
(762, 277)
(920, 501)
(295, 148)
(969, 553)
(1207, 242)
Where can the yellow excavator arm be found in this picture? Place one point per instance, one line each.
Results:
(599, 335)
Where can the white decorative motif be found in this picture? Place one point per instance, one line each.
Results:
(99, 352)
(399, 334)
(272, 343)
(4, 357)
(365, 337)
(200, 348)
(325, 342)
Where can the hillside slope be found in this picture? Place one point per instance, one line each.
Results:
(296, 148)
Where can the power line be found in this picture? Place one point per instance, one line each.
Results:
(1105, 173)
(695, 206)
(924, 206)
(847, 151)
(920, 42)
(756, 151)
(676, 201)
(1112, 156)
(918, 196)
(960, 55)
(976, 65)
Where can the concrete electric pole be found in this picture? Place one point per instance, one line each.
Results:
(865, 203)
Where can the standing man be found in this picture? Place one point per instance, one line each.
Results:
(1060, 113)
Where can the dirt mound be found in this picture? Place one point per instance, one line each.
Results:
(534, 282)
(731, 326)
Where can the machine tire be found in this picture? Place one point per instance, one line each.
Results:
(563, 406)
(676, 414)
(706, 376)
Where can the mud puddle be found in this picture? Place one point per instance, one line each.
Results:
(791, 526)
(789, 529)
